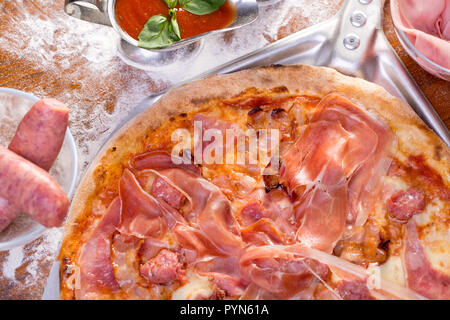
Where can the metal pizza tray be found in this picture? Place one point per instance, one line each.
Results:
(352, 42)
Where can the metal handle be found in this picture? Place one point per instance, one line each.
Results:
(95, 11)
(360, 22)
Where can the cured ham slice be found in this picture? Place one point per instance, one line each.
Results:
(280, 272)
(323, 219)
(150, 247)
(142, 215)
(368, 149)
(251, 213)
(162, 190)
(96, 270)
(354, 290)
(268, 217)
(421, 276)
(263, 232)
(224, 272)
(159, 160)
(311, 172)
(333, 169)
(195, 241)
(211, 211)
(427, 25)
(326, 153)
(253, 292)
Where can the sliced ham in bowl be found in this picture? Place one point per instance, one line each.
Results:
(424, 29)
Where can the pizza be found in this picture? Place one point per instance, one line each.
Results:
(282, 182)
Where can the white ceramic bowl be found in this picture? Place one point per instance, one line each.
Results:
(13, 106)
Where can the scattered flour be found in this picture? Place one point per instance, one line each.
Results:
(32, 257)
(45, 251)
(13, 261)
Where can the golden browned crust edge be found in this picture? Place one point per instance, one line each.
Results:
(414, 137)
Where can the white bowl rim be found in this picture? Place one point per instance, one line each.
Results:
(16, 242)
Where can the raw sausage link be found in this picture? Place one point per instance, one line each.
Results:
(31, 189)
(8, 212)
(38, 138)
(40, 134)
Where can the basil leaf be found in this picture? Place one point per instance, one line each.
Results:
(158, 33)
(201, 7)
(173, 20)
(171, 3)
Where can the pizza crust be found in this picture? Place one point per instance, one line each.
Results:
(414, 137)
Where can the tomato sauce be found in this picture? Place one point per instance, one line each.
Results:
(133, 14)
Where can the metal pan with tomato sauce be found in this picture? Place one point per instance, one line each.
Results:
(172, 20)
(175, 23)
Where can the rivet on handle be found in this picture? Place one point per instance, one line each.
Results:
(351, 41)
(358, 19)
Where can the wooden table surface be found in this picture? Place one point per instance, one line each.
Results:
(66, 73)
